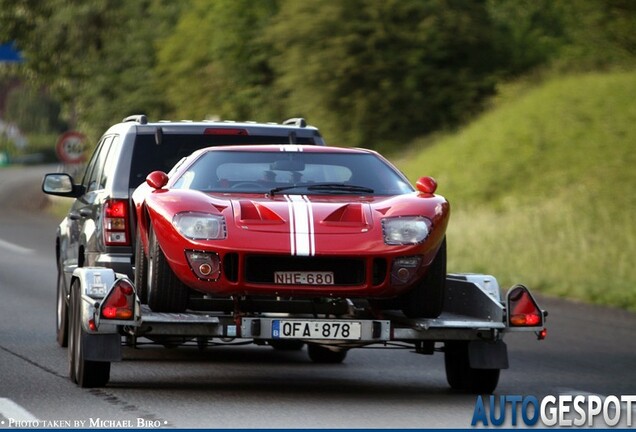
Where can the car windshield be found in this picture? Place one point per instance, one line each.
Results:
(293, 173)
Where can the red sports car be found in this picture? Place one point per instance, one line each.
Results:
(293, 222)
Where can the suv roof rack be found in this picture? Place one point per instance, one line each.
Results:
(297, 121)
(139, 118)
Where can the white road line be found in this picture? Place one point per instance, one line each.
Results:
(12, 411)
(15, 248)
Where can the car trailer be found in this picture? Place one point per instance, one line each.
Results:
(106, 314)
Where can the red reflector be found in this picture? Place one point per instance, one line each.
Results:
(225, 131)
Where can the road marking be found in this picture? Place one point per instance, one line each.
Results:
(15, 248)
(12, 411)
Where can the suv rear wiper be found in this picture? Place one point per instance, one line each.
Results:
(327, 187)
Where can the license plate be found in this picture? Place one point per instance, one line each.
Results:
(299, 329)
(303, 278)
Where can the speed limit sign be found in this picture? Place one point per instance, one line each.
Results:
(70, 147)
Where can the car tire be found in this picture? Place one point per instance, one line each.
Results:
(83, 372)
(61, 313)
(426, 300)
(461, 376)
(141, 269)
(321, 354)
(166, 293)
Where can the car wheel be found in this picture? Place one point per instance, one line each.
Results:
(166, 293)
(61, 318)
(426, 300)
(461, 376)
(141, 272)
(321, 354)
(83, 372)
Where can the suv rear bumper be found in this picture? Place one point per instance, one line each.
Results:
(120, 263)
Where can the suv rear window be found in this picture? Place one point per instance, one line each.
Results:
(148, 156)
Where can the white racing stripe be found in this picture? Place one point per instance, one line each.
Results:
(15, 248)
(12, 411)
(301, 225)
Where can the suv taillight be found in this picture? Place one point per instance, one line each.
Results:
(116, 223)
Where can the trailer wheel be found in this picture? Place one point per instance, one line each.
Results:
(141, 270)
(461, 376)
(83, 372)
(426, 300)
(166, 293)
(61, 318)
(321, 354)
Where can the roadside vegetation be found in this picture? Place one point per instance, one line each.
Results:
(543, 189)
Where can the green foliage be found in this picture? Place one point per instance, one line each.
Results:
(375, 72)
(542, 189)
(32, 111)
(215, 65)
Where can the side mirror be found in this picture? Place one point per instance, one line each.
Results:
(157, 179)
(61, 184)
(426, 184)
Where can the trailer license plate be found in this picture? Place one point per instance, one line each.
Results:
(334, 330)
(303, 278)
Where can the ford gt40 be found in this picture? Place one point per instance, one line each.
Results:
(292, 222)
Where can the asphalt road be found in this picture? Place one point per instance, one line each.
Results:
(589, 350)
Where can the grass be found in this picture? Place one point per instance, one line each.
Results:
(543, 188)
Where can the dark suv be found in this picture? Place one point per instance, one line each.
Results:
(98, 230)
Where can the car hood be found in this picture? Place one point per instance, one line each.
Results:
(303, 214)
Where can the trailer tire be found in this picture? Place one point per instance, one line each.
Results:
(61, 312)
(461, 376)
(166, 293)
(321, 354)
(426, 300)
(141, 269)
(84, 373)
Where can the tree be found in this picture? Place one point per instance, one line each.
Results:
(95, 56)
(215, 65)
(375, 72)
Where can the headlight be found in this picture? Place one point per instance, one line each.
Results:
(405, 230)
(200, 226)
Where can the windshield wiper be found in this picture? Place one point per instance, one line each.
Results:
(339, 187)
(326, 187)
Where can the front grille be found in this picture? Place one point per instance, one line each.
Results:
(347, 271)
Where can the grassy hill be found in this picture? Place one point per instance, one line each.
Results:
(543, 188)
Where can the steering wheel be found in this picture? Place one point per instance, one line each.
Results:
(247, 185)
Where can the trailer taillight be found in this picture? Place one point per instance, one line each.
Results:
(120, 302)
(116, 223)
(523, 310)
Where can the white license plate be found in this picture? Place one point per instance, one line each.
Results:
(303, 278)
(299, 329)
